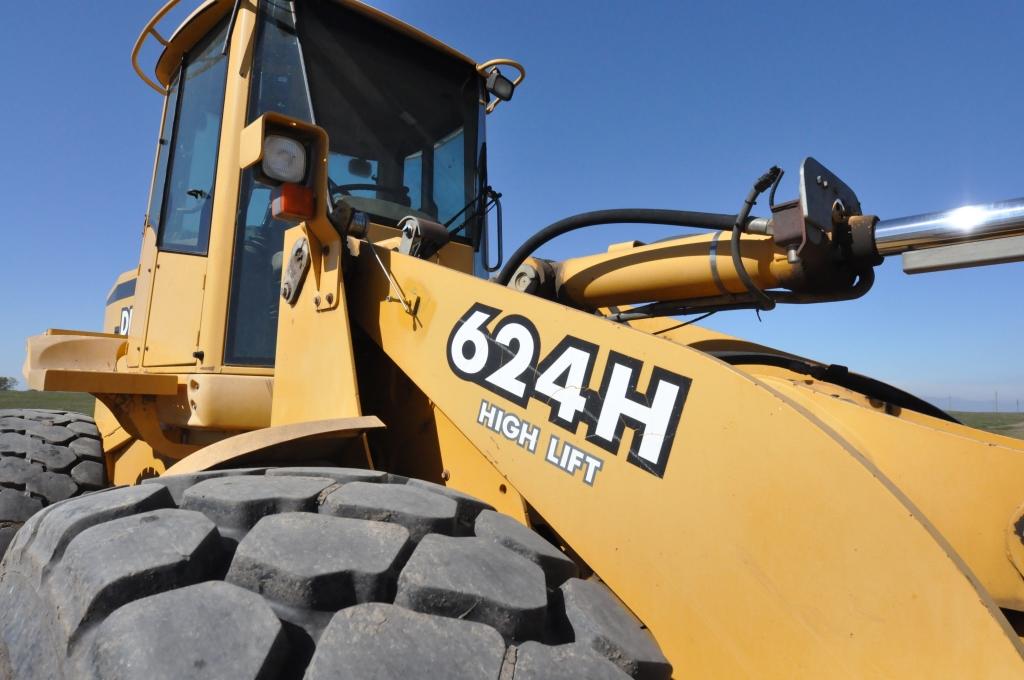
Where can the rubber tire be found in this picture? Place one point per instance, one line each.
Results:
(45, 456)
(303, 572)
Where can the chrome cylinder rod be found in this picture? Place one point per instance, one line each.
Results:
(968, 223)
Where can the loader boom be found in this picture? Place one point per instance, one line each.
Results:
(738, 520)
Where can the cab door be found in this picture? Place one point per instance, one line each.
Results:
(177, 237)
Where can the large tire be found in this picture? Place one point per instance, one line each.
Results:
(45, 457)
(303, 572)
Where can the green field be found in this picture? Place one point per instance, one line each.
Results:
(62, 401)
(1008, 424)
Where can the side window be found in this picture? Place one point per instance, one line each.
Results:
(184, 225)
(156, 192)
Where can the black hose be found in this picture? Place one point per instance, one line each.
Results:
(765, 181)
(677, 218)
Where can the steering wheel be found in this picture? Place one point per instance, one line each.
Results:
(400, 192)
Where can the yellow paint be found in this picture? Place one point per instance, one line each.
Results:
(143, 294)
(229, 402)
(772, 547)
(134, 463)
(669, 270)
(315, 375)
(470, 472)
(175, 306)
(969, 489)
(112, 312)
(277, 440)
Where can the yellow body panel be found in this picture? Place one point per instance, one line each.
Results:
(971, 490)
(465, 468)
(143, 294)
(229, 402)
(135, 462)
(117, 317)
(284, 440)
(175, 307)
(772, 547)
(315, 370)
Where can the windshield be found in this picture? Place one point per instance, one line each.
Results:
(404, 122)
(401, 116)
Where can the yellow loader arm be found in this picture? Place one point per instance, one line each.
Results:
(753, 535)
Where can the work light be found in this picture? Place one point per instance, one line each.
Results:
(284, 159)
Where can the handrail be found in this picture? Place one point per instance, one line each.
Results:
(149, 30)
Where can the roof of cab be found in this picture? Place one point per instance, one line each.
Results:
(207, 14)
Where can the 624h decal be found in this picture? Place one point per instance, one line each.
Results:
(506, 361)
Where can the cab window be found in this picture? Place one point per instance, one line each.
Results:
(187, 201)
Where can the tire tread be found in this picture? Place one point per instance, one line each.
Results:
(46, 456)
(331, 586)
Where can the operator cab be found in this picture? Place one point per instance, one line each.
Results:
(404, 119)
(406, 138)
(404, 115)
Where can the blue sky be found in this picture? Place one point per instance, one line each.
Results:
(917, 105)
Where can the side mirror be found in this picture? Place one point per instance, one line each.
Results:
(500, 86)
(496, 83)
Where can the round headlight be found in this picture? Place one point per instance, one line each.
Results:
(284, 159)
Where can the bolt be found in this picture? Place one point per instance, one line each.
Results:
(330, 298)
(792, 257)
(445, 475)
(316, 299)
(286, 291)
(818, 179)
(825, 184)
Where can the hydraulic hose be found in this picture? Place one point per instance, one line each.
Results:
(768, 179)
(677, 218)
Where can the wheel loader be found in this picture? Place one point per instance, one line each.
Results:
(339, 434)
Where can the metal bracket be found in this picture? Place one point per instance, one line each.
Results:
(421, 238)
(962, 255)
(295, 272)
(789, 229)
(824, 197)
